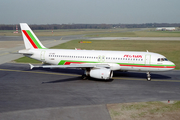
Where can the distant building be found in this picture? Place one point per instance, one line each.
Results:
(166, 29)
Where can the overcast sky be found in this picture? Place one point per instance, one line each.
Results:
(89, 11)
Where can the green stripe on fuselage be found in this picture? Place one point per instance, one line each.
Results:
(62, 62)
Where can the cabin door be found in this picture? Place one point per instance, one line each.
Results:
(148, 60)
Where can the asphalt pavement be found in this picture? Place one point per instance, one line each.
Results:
(23, 90)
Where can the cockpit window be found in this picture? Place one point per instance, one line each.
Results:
(165, 59)
(162, 59)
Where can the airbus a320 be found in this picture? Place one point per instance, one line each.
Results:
(95, 63)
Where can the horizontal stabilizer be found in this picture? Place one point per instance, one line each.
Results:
(25, 52)
(31, 66)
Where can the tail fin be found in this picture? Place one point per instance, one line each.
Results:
(30, 39)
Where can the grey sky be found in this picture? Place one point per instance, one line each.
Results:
(89, 11)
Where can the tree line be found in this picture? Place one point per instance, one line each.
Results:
(90, 26)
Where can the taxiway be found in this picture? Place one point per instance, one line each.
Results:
(23, 89)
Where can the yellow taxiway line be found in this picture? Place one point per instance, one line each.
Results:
(4, 54)
(38, 72)
(139, 79)
(117, 78)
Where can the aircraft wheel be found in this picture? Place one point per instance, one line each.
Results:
(84, 77)
(148, 76)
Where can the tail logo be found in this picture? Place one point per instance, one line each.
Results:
(32, 39)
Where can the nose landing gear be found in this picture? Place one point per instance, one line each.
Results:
(148, 76)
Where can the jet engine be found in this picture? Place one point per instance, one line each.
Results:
(101, 73)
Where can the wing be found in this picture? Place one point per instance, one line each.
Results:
(94, 65)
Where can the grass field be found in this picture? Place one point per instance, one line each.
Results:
(170, 49)
(145, 111)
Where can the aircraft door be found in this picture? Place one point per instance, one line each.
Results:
(101, 58)
(42, 56)
(148, 60)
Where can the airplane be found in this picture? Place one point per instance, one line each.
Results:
(98, 64)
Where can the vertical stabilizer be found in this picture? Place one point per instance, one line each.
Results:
(30, 39)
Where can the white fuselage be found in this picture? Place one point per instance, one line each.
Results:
(118, 60)
(96, 63)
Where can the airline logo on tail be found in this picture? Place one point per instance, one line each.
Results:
(32, 39)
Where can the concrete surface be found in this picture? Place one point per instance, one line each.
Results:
(93, 112)
(136, 38)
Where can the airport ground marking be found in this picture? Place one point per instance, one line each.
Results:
(11, 52)
(10, 70)
(117, 78)
(123, 78)
(153, 80)
(61, 38)
(4, 54)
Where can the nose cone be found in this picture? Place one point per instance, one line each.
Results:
(172, 65)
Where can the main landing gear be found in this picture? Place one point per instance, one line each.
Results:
(148, 76)
(84, 77)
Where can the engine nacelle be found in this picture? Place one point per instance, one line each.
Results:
(114, 66)
(101, 73)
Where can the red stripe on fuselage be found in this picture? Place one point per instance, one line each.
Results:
(148, 66)
(30, 40)
(68, 63)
